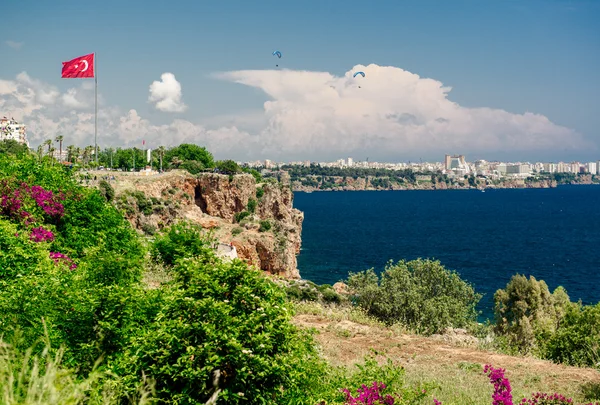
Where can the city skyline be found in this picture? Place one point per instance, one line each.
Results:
(500, 80)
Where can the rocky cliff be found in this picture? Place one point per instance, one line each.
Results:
(268, 238)
(339, 183)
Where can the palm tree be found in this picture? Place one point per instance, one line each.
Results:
(176, 161)
(161, 153)
(40, 151)
(48, 143)
(51, 151)
(77, 153)
(59, 139)
(70, 153)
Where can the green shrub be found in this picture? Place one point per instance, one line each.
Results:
(239, 216)
(148, 228)
(576, 341)
(420, 294)
(237, 230)
(260, 192)
(181, 240)
(265, 226)
(527, 313)
(252, 203)
(106, 190)
(226, 317)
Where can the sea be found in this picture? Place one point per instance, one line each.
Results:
(487, 237)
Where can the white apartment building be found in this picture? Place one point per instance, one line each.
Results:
(12, 130)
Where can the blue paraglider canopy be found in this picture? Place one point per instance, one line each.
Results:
(277, 53)
(359, 73)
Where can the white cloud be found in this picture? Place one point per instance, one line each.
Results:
(167, 94)
(388, 111)
(394, 115)
(14, 44)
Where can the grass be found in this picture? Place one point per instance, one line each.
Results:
(345, 335)
(28, 379)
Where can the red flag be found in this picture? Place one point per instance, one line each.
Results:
(79, 68)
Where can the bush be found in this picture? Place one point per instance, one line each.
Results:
(225, 317)
(192, 166)
(106, 190)
(265, 226)
(239, 216)
(420, 294)
(252, 205)
(260, 192)
(228, 167)
(576, 342)
(182, 240)
(527, 313)
(237, 230)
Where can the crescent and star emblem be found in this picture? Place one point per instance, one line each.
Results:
(86, 65)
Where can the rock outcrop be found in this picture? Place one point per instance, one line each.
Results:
(269, 238)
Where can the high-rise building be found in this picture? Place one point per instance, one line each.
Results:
(12, 130)
(350, 162)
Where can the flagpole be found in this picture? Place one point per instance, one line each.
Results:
(96, 112)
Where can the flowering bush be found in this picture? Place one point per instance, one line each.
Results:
(372, 395)
(61, 258)
(502, 392)
(18, 202)
(40, 234)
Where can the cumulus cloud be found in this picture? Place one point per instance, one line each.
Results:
(389, 115)
(166, 94)
(14, 44)
(390, 109)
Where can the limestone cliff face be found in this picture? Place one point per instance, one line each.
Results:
(269, 239)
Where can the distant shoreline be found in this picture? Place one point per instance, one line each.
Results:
(303, 190)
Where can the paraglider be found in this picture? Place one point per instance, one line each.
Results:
(359, 73)
(278, 54)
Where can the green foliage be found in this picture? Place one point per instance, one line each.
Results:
(241, 215)
(226, 317)
(181, 240)
(260, 191)
(228, 167)
(237, 230)
(252, 203)
(527, 313)
(190, 152)
(265, 225)
(12, 147)
(192, 166)
(255, 173)
(106, 190)
(420, 294)
(19, 256)
(576, 341)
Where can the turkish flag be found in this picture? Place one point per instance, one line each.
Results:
(79, 68)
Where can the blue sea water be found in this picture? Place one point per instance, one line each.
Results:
(552, 234)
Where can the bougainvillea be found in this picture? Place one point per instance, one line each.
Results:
(61, 258)
(19, 202)
(40, 234)
(369, 395)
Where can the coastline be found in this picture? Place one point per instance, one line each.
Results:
(362, 184)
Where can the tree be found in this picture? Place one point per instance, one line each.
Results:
(48, 143)
(188, 151)
(228, 167)
(59, 139)
(70, 153)
(10, 146)
(161, 153)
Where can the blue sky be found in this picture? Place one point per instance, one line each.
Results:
(536, 56)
